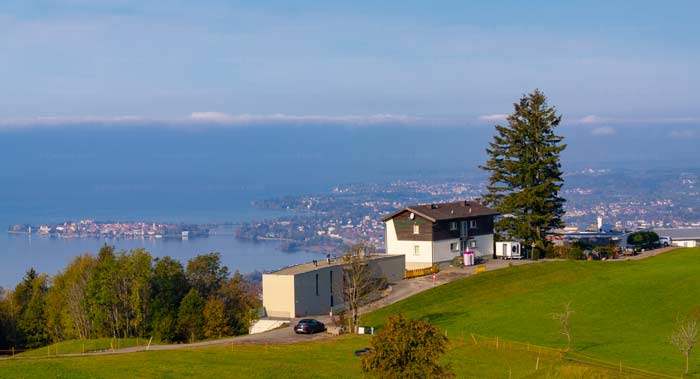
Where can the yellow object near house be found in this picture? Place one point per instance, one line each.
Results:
(480, 269)
(421, 271)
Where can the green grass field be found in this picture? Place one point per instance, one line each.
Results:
(82, 346)
(625, 312)
(327, 359)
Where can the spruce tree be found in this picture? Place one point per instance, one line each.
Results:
(525, 171)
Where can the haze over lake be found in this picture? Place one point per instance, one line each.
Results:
(204, 174)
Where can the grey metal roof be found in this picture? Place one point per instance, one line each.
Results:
(679, 234)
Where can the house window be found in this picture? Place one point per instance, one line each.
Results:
(416, 228)
(453, 225)
(454, 246)
(316, 284)
(472, 224)
(416, 250)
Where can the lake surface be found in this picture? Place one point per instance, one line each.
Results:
(19, 252)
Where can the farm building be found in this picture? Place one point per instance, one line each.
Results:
(681, 237)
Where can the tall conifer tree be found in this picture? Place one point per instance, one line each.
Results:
(525, 171)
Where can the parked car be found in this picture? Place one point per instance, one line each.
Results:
(665, 241)
(309, 326)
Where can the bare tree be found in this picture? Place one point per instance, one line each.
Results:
(358, 282)
(684, 336)
(564, 320)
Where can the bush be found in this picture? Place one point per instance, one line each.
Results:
(550, 251)
(405, 349)
(575, 253)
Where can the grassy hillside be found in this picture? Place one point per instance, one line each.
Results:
(625, 310)
(82, 346)
(624, 313)
(327, 359)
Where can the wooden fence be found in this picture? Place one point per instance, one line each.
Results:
(543, 353)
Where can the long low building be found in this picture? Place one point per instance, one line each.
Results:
(681, 237)
(316, 288)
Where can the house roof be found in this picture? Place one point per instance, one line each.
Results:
(679, 234)
(446, 211)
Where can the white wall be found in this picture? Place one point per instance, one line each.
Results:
(278, 295)
(442, 251)
(685, 243)
(407, 248)
(484, 246)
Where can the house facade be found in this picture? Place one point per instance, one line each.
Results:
(432, 233)
(316, 288)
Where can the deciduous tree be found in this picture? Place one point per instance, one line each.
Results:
(169, 287)
(684, 337)
(358, 283)
(215, 321)
(190, 319)
(206, 274)
(564, 319)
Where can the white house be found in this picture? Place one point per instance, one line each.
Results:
(431, 233)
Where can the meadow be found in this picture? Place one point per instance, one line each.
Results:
(624, 314)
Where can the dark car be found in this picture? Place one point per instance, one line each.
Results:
(309, 326)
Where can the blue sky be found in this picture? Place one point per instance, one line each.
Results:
(602, 63)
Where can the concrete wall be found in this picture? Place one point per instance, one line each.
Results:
(407, 248)
(278, 295)
(308, 301)
(685, 243)
(392, 268)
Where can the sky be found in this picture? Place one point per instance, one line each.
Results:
(603, 64)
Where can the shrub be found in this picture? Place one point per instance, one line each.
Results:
(406, 349)
(575, 253)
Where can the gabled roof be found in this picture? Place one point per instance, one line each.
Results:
(446, 211)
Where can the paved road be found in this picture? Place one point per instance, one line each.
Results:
(395, 293)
